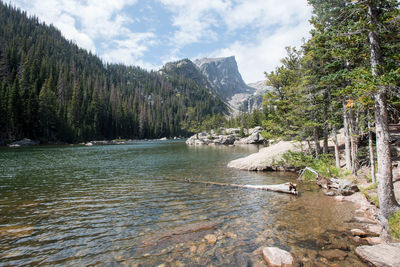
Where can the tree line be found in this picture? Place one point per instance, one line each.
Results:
(347, 75)
(52, 90)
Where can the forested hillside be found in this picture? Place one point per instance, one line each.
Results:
(52, 90)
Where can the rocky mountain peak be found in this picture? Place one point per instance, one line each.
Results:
(224, 76)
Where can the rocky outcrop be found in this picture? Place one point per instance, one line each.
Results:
(382, 255)
(224, 76)
(253, 138)
(228, 136)
(277, 257)
(24, 142)
(267, 158)
(188, 69)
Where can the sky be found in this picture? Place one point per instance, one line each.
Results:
(150, 33)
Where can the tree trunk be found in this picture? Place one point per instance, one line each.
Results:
(316, 141)
(347, 143)
(371, 152)
(335, 141)
(326, 136)
(353, 142)
(326, 129)
(387, 201)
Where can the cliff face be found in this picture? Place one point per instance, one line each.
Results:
(188, 69)
(221, 76)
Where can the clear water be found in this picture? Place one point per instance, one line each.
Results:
(132, 205)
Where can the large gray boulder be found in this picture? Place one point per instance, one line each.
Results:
(383, 255)
(254, 137)
(267, 158)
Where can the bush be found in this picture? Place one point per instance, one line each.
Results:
(324, 165)
(394, 224)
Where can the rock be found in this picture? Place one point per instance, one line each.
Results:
(347, 188)
(89, 144)
(364, 220)
(164, 138)
(277, 257)
(230, 235)
(211, 239)
(24, 142)
(358, 232)
(330, 193)
(333, 254)
(374, 240)
(374, 229)
(380, 255)
(254, 138)
(266, 158)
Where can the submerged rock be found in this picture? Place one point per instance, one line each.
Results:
(333, 254)
(211, 239)
(380, 255)
(277, 257)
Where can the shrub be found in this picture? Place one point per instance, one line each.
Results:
(324, 165)
(394, 224)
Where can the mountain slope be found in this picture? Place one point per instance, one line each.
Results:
(224, 75)
(52, 90)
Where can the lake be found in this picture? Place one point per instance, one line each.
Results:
(136, 204)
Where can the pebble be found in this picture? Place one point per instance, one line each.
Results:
(211, 239)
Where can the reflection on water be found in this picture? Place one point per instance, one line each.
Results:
(130, 204)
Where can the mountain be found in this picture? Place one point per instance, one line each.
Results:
(188, 69)
(52, 90)
(224, 76)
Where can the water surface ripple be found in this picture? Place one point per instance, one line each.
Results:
(130, 204)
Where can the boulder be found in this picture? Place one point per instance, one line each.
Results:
(266, 158)
(277, 257)
(381, 255)
(254, 138)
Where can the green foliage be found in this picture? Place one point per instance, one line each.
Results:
(394, 224)
(324, 165)
(50, 89)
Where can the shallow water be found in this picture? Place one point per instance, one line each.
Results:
(132, 205)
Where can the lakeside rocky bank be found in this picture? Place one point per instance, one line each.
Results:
(229, 136)
(374, 244)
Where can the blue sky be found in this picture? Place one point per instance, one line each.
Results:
(150, 33)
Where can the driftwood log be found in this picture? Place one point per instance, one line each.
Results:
(288, 188)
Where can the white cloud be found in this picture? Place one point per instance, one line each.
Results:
(265, 52)
(129, 50)
(89, 22)
(194, 19)
(274, 23)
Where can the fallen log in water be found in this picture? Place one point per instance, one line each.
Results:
(287, 188)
